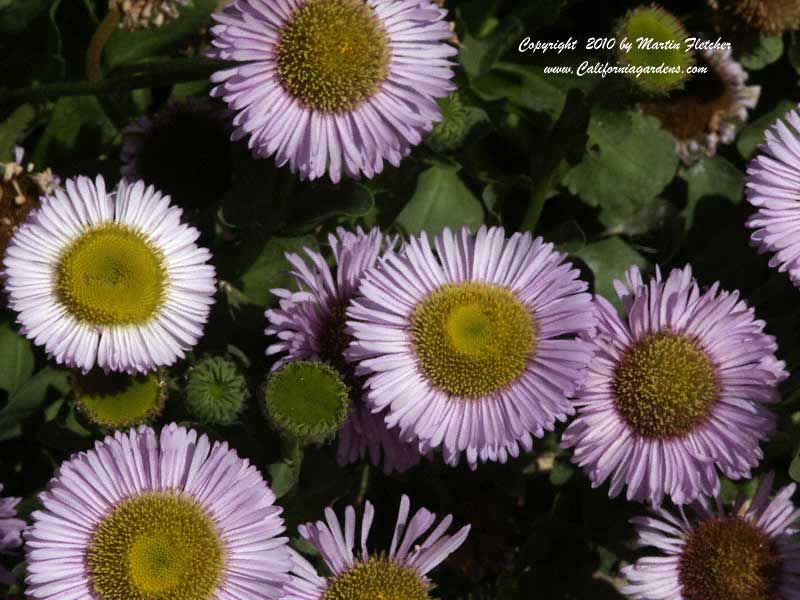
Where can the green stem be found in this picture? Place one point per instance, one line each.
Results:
(157, 74)
(539, 198)
(94, 55)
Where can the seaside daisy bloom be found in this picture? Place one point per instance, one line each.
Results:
(772, 188)
(310, 323)
(678, 389)
(166, 148)
(109, 279)
(470, 345)
(400, 573)
(10, 532)
(751, 552)
(332, 86)
(709, 109)
(146, 515)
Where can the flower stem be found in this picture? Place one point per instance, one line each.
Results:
(161, 73)
(94, 55)
(539, 197)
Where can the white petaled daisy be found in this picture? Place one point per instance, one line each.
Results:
(399, 575)
(109, 279)
(333, 85)
(157, 517)
(471, 345)
(751, 552)
(679, 388)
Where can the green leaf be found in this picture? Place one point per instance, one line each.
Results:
(715, 176)
(794, 469)
(12, 128)
(479, 54)
(766, 50)
(128, 46)
(15, 15)
(16, 358)
(526, 86)
(752, 135)
(630, 159)
(609, 259)
(268, 269)
(285, 474)
(29, 396)
(440, 200)
(77, 127)
(319, 202)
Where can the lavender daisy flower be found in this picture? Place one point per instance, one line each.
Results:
(772, 180)
(470, 345)
(157, 516)
(402, 573)
(10, 531)
(333, 85)
(677, 390)
(310, 324)
(109, 279)
(749, 553)
(709, 110)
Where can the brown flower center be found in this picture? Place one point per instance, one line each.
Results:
(730, 559)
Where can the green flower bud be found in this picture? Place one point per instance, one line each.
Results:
(216, 391)
(451, 131)
(668, 48)
(307, 401)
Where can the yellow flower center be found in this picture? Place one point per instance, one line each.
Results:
(472, 339)
(159, 546)
(111, 275)
(729, 559)
(377, 579)
(333, 54)
(665, 386)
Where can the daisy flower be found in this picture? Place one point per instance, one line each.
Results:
(157, 516)
(311, 324)
(679, 389)
(749, 553)
(333, 85)
(711, 107)
(400, 573)
(470, 345)
(109, 279)
(10, 531)
(772, 187)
